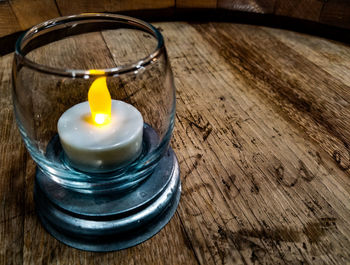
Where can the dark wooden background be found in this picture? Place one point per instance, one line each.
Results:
(17, 15)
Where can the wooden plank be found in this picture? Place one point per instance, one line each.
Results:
(30, 13)
(257, 189)
(8, 21)
(331, 56)
(255, 6)
(75, 7)
(337, 13)
(306, 9)
(196, 3)
(13, 160)
(325, 115)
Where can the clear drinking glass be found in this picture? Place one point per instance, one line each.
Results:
(54, 66)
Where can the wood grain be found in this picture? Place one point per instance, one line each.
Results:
(262, 140)
(336, 12)
(8, 21)
(29, 13)
(75, 7)
(255, 6)
(16, 15)
(196, 3)
(307, 9)
(241, 153)
(13, 160)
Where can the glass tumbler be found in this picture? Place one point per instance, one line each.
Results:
(107, 184)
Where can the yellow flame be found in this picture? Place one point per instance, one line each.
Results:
(100, 101)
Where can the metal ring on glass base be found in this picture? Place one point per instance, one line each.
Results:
(114, 220)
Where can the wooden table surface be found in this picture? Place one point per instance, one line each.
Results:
(262, 137)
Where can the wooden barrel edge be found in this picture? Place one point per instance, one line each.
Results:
(204, 15)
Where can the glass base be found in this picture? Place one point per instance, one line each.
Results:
(108, 222)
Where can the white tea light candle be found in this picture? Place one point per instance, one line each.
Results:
(99, 142)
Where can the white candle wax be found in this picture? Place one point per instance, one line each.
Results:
(97, 148)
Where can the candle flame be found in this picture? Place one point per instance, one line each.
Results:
(100, 101)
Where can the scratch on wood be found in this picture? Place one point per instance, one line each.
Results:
(207, 133)
(241, 239)
(193, 210)
(206, 129)
(258, 158)
(255, 188)
(228, 183)
(337, 158)
(11, 218)
(304, 172)
(198, 157)
(319, 159)
(238, 124)
(222, 252)
(17, 216)
(277, 131)
(317, 156)
(198, 187)
(315, 230)
(253, 141)
(285, 234)
(235, 141)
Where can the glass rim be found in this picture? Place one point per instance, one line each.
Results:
(86, 73)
